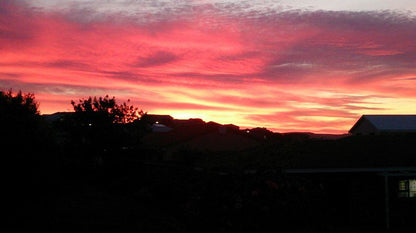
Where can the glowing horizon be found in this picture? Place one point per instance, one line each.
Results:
(314, 68)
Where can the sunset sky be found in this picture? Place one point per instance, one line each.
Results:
(289, 65)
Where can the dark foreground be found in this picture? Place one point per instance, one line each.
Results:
(127, 195)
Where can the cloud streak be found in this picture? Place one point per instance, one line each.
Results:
(273, 66)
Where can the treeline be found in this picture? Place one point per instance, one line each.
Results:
(40, 158)
(87, 172)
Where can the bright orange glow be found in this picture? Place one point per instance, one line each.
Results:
(287, 71)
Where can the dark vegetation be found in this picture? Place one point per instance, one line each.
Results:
(88, 171)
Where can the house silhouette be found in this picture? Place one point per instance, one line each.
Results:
(384, 124)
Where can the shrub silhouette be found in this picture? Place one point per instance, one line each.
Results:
(29, 161)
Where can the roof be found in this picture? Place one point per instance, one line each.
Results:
(160, 128)
(389, 122)
(158, 119)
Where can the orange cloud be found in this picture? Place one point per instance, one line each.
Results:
(288, 71)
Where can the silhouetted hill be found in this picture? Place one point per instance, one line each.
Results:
(200, 136)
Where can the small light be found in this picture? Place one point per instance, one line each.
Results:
(157, 122)
(89, 124)
(248, 131)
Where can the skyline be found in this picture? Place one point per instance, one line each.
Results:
(313, 66)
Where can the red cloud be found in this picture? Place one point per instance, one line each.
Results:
(282, 70)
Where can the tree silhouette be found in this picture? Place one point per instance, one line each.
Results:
(29, 159)
(107, 110)
(18, 113)
(99, 124)
(18, 103)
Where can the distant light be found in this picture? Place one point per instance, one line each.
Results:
(89, 124)
(248, 131)
(157, 122)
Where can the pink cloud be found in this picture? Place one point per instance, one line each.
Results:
(244, 67)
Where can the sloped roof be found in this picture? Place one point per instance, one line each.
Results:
(390, 122)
